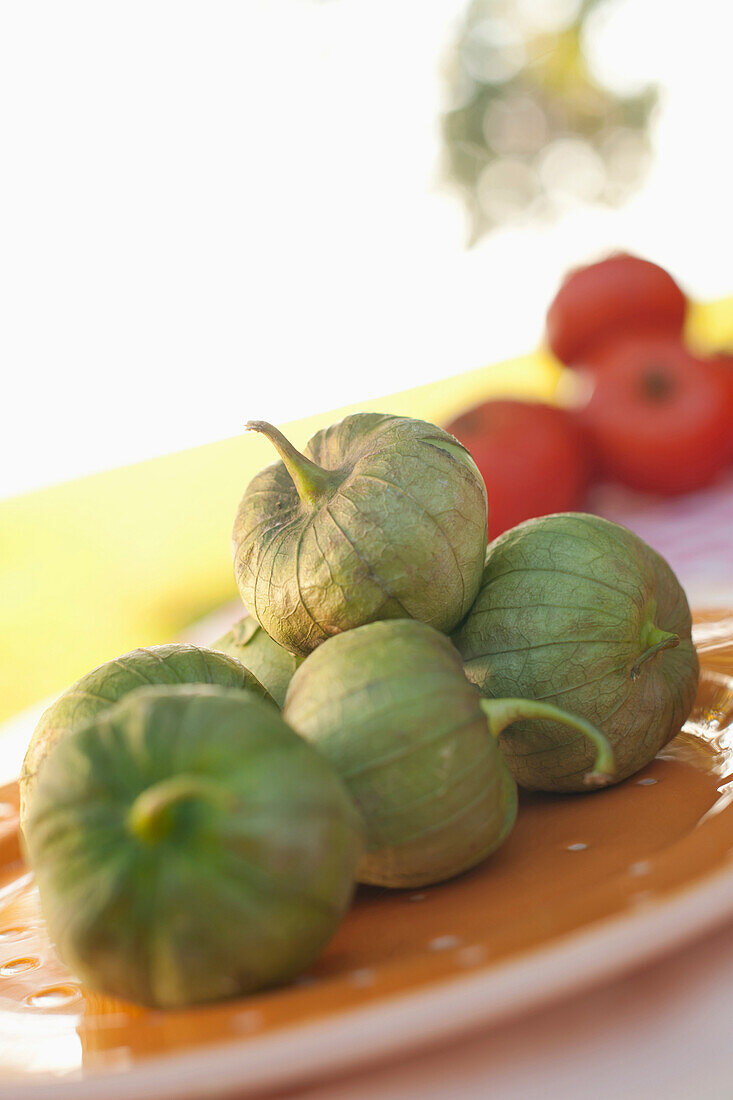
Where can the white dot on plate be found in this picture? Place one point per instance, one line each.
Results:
(54, 996)
(418, 897)
(362, 978)
(579, 847)
(12, 933)
(643, 867)
(18, 966)
(646, 782)
(471, 956)
(444, 943)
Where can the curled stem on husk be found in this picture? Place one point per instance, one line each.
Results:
(151, 816)
(311, 481)
(501, 713)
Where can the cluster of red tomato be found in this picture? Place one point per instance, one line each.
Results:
(658, 418)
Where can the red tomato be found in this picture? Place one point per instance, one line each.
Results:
(532, 456)
(659, 418)
(618, 295)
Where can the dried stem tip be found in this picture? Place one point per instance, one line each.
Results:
(311, 481)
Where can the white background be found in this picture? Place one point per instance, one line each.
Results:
(212, 211)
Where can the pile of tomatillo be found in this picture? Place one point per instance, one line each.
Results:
(197, 818)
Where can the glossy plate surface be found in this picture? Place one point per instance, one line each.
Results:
(586, 886)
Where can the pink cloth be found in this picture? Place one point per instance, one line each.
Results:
(693, 532)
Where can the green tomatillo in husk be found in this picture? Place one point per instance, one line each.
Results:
(257, 651)
(389, 705)
(189, 846)
(580, 612)
(383, 517)
(103, 686)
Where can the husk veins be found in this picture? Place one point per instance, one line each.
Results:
(386, 519)
(579, 612)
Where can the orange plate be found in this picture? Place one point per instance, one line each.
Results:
(586, 885)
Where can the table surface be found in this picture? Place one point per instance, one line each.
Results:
(661, 1032)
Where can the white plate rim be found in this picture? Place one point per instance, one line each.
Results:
(402, 1023)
